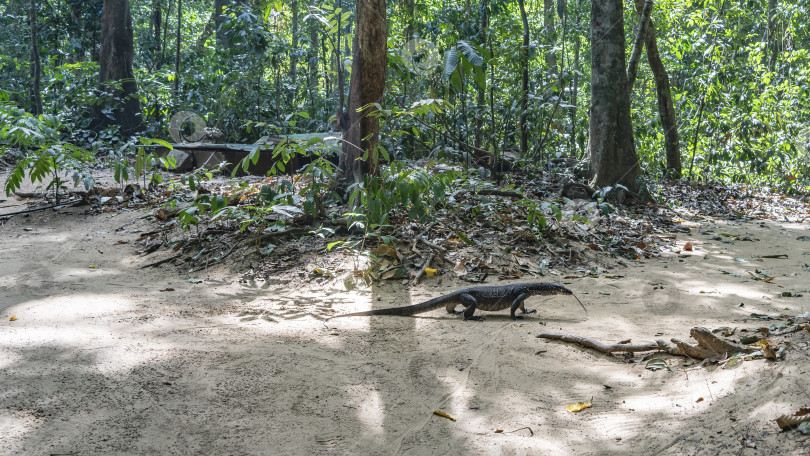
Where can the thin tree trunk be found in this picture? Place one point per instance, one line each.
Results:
(312, 60)
(548, 23)
(772, 39)
(156, 21)
(341, 80)
(524, 96)
(638, 43)
(177, 51)
(36, 95)
(575, 84)
(613, 154)
(367, 86)
(666, 108)
(294, 45)
(481, 95)
(165, 34)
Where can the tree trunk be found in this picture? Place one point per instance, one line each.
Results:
(524, 71)
(156, 20)
(613, 154)
(366, 86)
(312, 60)
(115, 65)
(666, 109)
(575, 85)
(36, 95)
(548, 23)
(638, 43)
(177, 51)
(772, 39)
(481, 95)
(294, 44)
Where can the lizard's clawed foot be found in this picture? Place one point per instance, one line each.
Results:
(530, 311)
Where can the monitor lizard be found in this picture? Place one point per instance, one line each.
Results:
(484, 297)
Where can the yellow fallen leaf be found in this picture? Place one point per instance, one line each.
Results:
(444, 415)
(579, 406)
(430, 272)
(92, 266)
(13, 318)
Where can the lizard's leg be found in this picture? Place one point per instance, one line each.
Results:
(451, 309)
(469, 304)
(518, 304)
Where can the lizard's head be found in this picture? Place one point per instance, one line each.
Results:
(543, 288)
(550, 288)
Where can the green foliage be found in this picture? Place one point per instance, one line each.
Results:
(49, 162)
(147, 165)
(414, 191)
(47, 159)
(739, 84)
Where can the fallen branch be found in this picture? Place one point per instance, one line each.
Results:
(276, 234)
(421, 272)
(60, 205)
(613, 348)
(709, 345)
(158, 263)
(495, 192)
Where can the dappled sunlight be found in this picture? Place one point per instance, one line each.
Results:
(369, 409)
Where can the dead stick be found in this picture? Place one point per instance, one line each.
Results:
(421, 272)
(612, 348)
(433, 246)
(60, 205)
(158, 263)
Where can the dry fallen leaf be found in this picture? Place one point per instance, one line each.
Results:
(385, 250)
(787, 421)
(444, 415)
(460, 269)
(579, 406)
(688, 247)
(700, 399)
(430, 272)
(13, 318)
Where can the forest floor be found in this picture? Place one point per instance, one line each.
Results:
(101, 356)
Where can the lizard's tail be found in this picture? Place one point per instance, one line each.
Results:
(426, 306)
(580, 302)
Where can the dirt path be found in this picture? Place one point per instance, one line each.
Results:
(101, 361)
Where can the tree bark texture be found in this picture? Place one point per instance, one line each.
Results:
(613, 154)
(638, 43)
(156, 21)
(116, 77)
(548, 23)
(575, 87)
(294, 43)
(177, 50)
(366, 86)
(524, 93)
(772, 39)
(666, 108)
(36, 70)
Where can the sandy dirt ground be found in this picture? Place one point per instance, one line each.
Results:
(103, 360)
